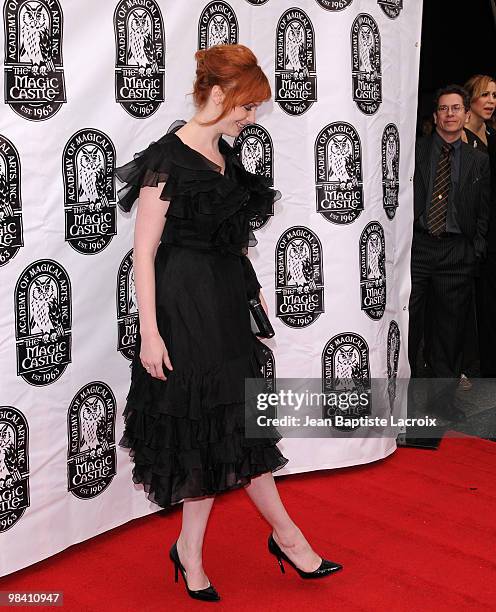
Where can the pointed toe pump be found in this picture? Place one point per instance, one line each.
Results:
(207, 594)
(324, 569)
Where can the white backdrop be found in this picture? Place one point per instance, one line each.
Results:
(84, 84)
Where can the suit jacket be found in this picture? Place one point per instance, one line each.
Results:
(471, 201)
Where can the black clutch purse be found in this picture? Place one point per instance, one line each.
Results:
(261, 326)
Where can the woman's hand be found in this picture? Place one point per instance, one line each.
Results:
(264, 303)
(153, 355)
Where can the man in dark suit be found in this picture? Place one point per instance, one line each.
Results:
(451, 211)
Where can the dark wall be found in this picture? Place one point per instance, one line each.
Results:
(458, 40)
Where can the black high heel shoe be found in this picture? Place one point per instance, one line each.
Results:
(324, 569)
(207, 594)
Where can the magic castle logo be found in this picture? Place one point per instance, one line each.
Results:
(372, 257)
(295, 70)
(218, 25)
(390, 155)
(11, 231)
(34, 74)
(393, 357)
(43, 319)
(91, 457)
(256, 152)
(14, 466)
(140, 57)
(338, 173)
(299, 277)
(366, 64)
(127, 308)
(88, 164)
(346, 374)
(391, 8)
(334, 5)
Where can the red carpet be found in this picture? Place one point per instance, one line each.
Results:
(415, 532)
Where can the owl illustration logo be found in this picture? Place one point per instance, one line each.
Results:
(132, 300)
(218, 31)
(127, 307)
(375, 257)
(392, 8)
(295, 48)
(340, 160)
(295, 62)
(9, 471)
(45, 309)
(5, 207)
(366, 49)
(338, 173)
(347, 372)
(35, 44)
(252, 155)
(300, 271)
(392, 353)
(299, 278)
(92, 427)
(141, 50)
(91, 175)
(366, 63)
(391, 158)
(372, 259)
(256, 153)
(91, 440)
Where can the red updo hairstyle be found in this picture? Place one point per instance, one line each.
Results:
(234, 68)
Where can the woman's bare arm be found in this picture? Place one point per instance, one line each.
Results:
(150, 221)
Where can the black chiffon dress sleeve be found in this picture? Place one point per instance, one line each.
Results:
(186, 435)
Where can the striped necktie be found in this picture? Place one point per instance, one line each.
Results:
(436, 217)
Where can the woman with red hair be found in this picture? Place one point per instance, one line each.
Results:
(184, 424)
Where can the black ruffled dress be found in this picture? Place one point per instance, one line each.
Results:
(186, 434)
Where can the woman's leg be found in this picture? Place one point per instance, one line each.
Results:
(190, 542)
(264, 494)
